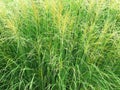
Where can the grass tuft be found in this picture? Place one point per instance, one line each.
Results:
(59, 45)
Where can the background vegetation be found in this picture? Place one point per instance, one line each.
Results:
(59, 45)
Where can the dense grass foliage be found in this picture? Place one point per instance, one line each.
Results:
(59, 45)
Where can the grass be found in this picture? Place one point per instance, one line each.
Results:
(59, 45)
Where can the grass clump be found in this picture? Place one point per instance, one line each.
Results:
(59, 45)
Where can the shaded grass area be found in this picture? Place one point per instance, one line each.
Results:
(59, 45)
